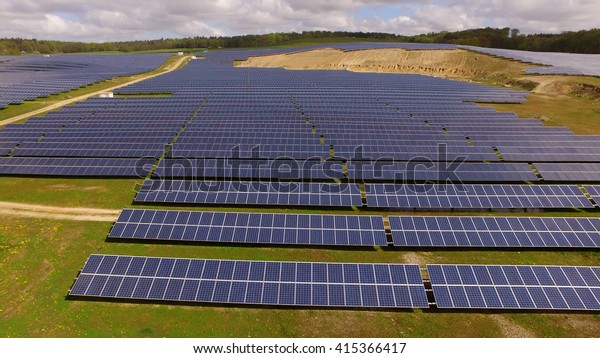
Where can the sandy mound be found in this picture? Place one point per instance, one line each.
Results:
(440, 63)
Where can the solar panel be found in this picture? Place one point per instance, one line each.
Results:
(248, 169)
(76, 167)
(251, 282)
(6, 147)
(250, 228)
(554, 154)
(477, 231)
(574, 172)
(516, 287)
(87, 149)
(594, 191)
(409, 153)
(212, 108)
(31, 77)
(475, 196)
(402, 172)
(249, 193)
(256, 151)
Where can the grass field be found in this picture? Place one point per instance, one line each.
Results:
(40, 258)
(564, 101)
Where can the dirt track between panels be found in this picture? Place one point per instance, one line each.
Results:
(57, 213)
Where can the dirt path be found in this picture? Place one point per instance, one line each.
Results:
(57, 213)
(60, 104)
(510, 329)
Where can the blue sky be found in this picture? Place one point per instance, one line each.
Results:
(96, 20)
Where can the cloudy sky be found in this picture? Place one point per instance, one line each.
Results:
(105, 20)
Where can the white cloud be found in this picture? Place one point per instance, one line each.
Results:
(97, 20)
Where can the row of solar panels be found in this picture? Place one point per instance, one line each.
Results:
(349, 285)
(467, 196)
(30, 77)
(355, 230)
(214, 145)
(106, 156)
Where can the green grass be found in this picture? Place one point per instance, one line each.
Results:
(90, 193)
(581, 115)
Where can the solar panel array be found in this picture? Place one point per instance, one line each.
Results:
(250, 228)
(556, 63)
(218, 112)
(564, 153)
(238, 136)
(594, 192)
(407, 172)
(569, 172)
(82, 167)
(251, 282)
(100, 129)
(231, 169)
(85, 149)
(516, 287)
(490, 232)
(30, 77)
(475, 196)
(249, 193)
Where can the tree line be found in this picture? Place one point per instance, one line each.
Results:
(585, 41)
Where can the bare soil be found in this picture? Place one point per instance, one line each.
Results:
(58, 213)
(458, 64)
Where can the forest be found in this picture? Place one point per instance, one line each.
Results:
(585, 41)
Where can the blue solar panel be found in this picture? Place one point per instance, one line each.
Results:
(475, 196)
(402, 172)
(257, 151)
(251, 282)
(30, 77)
(490, 232)
(76, 167)
(516, 287)
(248, 169)
(562, 153)
(573, 172)
(250, 228)
(212, 108)
(249, 193)
(87, 149)
(6, 147)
